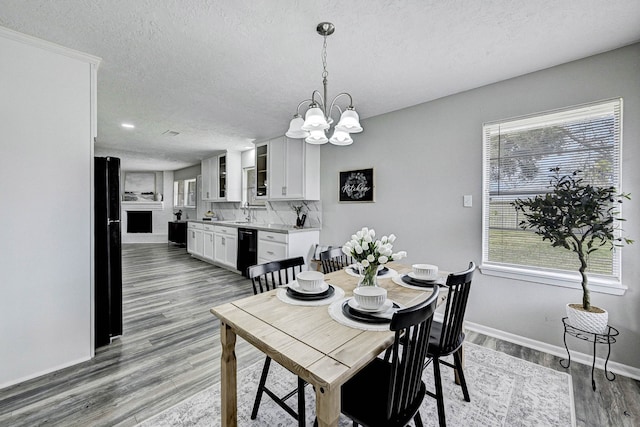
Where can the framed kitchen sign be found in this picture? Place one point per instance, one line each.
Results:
(356, 186)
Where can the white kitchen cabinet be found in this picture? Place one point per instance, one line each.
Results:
(262, 164)
(195, 238)
(293, 169)
(208, 251)
(209, 168)
(226, 246)
(276, 246)
(222, 177)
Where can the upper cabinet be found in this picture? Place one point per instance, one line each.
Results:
(287, 169)
(262, 161)
(222, 177)
(208, 173)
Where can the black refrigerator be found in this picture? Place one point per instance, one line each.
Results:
(108, 252)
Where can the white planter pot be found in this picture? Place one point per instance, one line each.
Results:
(589, 321)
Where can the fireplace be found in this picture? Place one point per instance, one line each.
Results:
(139, 222)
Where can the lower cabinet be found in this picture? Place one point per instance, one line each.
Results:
(195, 238)
(276, 246)
(218, 244)
(226, 246)
(208, 252)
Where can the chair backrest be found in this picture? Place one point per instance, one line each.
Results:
(459, 285)
(334, 259)
(412, 326)
(270, 275)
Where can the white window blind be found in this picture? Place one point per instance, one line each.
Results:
(518, 156)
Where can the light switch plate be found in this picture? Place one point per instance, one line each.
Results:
(467, 201)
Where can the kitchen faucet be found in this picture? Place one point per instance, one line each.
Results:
(246, 210)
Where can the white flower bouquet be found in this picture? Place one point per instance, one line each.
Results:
(371, 254)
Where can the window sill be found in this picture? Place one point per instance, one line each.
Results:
(567, 280)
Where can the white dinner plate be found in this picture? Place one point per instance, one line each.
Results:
(413, 276)
(385, 306)
(296, 287)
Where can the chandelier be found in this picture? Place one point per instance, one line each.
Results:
(317, 121)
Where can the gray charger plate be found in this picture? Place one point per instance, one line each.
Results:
(311, 297)
(361, 316)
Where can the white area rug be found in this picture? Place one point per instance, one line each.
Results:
(504, 390)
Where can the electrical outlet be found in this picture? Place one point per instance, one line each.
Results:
(467, 201)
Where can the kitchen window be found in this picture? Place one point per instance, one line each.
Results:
(184, 193)
(518, 156)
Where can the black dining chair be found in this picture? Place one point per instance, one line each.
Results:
(265, 277)
(447, 336)
(389, 393)
(334, 259)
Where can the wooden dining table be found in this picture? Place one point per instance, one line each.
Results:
(306, 340)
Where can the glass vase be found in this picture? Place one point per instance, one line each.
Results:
(368, 275)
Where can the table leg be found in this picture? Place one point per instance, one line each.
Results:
(327, 406)
(228, 378)
(606, 374)
(566, 348)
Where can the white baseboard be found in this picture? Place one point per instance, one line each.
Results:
(19, 380)
(585, 359)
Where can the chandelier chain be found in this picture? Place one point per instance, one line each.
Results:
(325, 73)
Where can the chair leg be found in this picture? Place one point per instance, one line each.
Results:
(460, 371)
(301, 404)
(439, 395)
(387, 354)
(263, 380)
(417, 419)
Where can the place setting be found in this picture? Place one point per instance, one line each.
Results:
(422, 276)
(310, 289)
(368, 309)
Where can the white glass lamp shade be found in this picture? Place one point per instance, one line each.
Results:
(317, 137)
(340, 138)
(295, 128)
(314, 120)
(349, 122)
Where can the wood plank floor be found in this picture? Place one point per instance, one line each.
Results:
(170, 351)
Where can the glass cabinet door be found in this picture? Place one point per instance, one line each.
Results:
(261, 170)
(222, 173)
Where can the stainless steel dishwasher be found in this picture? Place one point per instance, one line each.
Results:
(247, 249)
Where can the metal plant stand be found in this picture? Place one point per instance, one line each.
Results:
(606, 338)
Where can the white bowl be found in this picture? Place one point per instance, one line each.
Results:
(425, 271)
(310, 280)
(370, 297)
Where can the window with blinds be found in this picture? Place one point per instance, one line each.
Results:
(518, 156)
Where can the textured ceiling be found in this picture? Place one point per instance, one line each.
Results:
(225, 73)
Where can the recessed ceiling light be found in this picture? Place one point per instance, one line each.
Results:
(128, 125)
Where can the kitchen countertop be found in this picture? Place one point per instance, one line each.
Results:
(277, 228)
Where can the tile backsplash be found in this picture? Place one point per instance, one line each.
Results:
(271, 213)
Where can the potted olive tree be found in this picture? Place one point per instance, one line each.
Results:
(583, 219)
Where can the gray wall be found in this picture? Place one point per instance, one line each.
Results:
(428, 156)
(47, 115)
(187, 173)
(190, 172)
